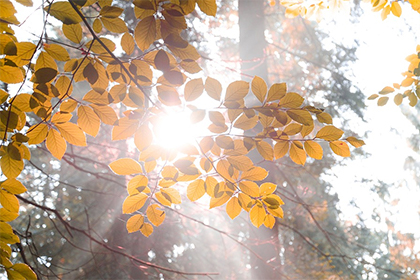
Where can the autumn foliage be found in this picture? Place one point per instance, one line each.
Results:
(133, 81)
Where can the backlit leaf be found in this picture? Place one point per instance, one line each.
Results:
(250, 188)
(10, 74)
(340, 148)
(396, 9)
(242, 163)
(64, 12)
(259, 88)
(155, 215)
(296, 153)
(324, 117)
(73, 32)
(72, 133)
(143, 137)
(355, 142)
(13, 186)
(115, 25)
(329, 133)
(245, 123)
(105, 113)
(398, 98)
(37, 133)
(125, 166)
(145, 32)
(313, 149)
(269, 221)
(233, 209)
(125, 128)
(213, 88)
(134, 223)
(88, 121)
(196, 190)
(56, 144)
(127, 43)
(281, 148)
(208, 7)
(216, 202)
(255, 174)
(7, 216)
(383, 100)
(193, 89)
(57, 52)
(265, 150)
(257, 215)
(237, 90)
(291, 100)
(9, 201)
(276, 92)
(133, 203)
(138, 184)
(146, 229)
(267, 188)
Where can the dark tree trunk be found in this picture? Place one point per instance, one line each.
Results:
(263, 241)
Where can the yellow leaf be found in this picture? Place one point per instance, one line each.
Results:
(64, 86)
(11, 74)
(105, 113)
(329, 133)
(61, 117)
(236, 91)
(146, 229)
(213, 88)
(265, 150)
(25, 271)
(209, 185)
(37, 133)
(208, 7)
(385, 12)
(13, 186)
(269, 221)
(193, 89)
(115, 25)
(138, 184)
(233, 209)
(245, 123)
(72, 133)
(196, 190)
(313, 149)
(292, 129)
(145, 32)
(398, 98)
(296, 153)
(276, 92)
(301, 116)
(133, 203)
(277, 212)
(225, 170)
(9, 201)
(250, 188)
(324, 117)
(257, 215)
(355, 142)
(173, 194)
(387, 90)
(57, 52)
(25, 51)
(56, 144)
(340, 148)
(242, 163)
(259, 88)
(155, 215)
(97, 25)
(217, 118)
(68, 106)
(396, 9)
(291, 100)
(125, 166)
(216, 202)
(168, 96)
(255, 174)
(88, 120)
(143, 137)
(127, 43)
(383, 100)
(281, 148)
(7, 216)
(134, 223)
(267, 188)
(125, 128)
(64, 12)
(73, 32)
(164, 199)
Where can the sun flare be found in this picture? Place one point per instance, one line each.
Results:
(174, 130)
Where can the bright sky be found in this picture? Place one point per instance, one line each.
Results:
(382, 52)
